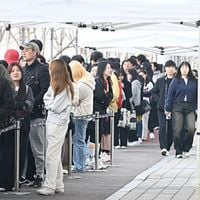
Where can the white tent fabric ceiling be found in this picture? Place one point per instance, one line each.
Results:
(100, 10)
(150, 25)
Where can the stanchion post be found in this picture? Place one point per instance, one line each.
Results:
(17, 149)
(96, 140)
(112, 137)
(70, 153)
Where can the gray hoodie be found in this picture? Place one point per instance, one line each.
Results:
(136, 93)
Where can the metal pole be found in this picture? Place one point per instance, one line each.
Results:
(17, 149)
(96, 140)
(52, 32)
(198, 125)
(70, 153)
(76, 41)
(17, 157)
(112, 121)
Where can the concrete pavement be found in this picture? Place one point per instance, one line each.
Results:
(169, 179)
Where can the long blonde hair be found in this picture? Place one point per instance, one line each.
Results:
(60, 78)
(78, 71)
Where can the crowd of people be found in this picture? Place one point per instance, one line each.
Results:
(144, 96)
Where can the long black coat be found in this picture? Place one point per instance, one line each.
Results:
(6, 139)
(101, 103)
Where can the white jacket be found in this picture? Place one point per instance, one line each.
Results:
(85, 104)
(59, 107)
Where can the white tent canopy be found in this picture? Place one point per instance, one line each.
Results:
(100, 10)
(138, 24)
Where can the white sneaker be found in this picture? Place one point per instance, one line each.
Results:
(117, 147)
(105, 157)
(140, 140)
(101, 165)
(135, 143)
(151, 136)
(46, 191)
(186, 154)
(65, 171)
(59, 190)
(179, 156)
(123, 147)
(164, 152)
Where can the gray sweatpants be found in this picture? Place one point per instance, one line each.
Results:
(38, 144)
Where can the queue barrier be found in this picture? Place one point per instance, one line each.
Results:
(95, 117)
(16, 125)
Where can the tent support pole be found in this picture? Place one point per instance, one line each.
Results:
(198, 120)
(52, 32)
(76, 45)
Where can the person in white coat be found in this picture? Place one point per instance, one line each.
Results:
(58, 101)
(86, 84)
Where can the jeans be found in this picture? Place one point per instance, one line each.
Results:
(79, 148)
(165, 132)
(183, 116)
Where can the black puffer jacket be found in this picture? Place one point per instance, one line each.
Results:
(36, 76)
(6, 101)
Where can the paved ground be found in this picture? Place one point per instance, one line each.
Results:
(128, 163)
(138, 172)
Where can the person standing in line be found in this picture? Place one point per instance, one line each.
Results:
(36, 76)
(181, 105)
(24, 101)
(159, 93)
(58, 102)
(6, 139)
(146, 93)
(86, 84)
(103, 96)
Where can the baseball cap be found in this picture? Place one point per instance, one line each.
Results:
(11, 55)
(30, 45)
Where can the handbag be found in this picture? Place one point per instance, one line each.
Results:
(123, 118)
(145, 106)
(132, 120)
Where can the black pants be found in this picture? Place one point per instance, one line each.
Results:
(7, 143)
(116, 128)
(165, 132)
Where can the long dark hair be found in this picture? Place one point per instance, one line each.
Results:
(190, 74)
(101, 66)
(21, 94)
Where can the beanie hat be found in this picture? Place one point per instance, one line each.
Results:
(11, 55)
(38, 42)
(96, 55)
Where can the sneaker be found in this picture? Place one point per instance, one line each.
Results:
(186, 154)
(123, 147)
(65, 171)
(23, 181)
(117, 147)
(139, 140)
(46, 191)
(37, 182)
(179, 156)
(101, 165)
(135, 143)
(164, 152)
(59, 190)
(105, 157)
(151, 136)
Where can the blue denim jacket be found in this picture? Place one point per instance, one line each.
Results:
(178, 90)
